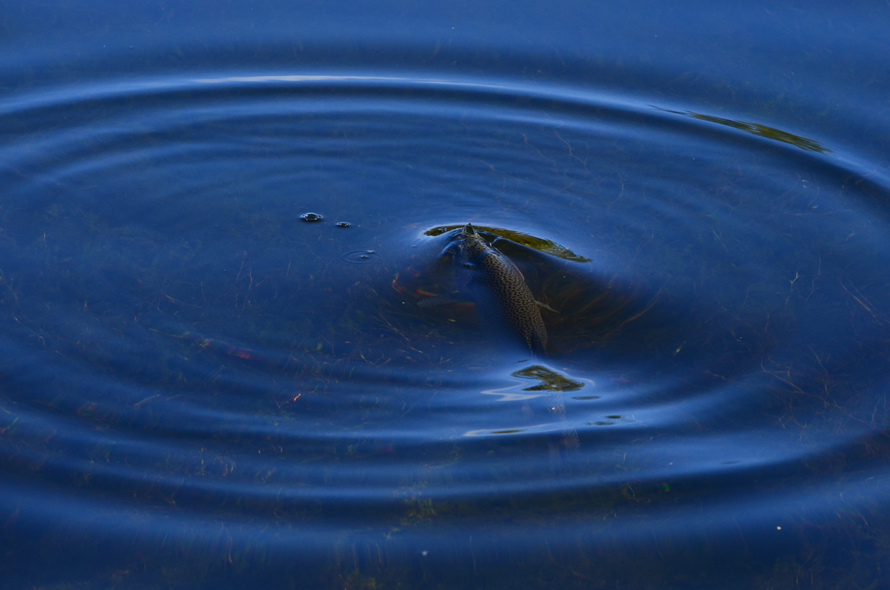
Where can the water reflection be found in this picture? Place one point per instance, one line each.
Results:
(547, 380)
(193, 349)
(803, 143)
(514, 238)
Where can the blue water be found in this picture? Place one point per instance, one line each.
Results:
(203, 386)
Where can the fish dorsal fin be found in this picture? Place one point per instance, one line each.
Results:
(469, 230)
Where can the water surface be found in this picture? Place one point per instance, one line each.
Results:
(216, 248)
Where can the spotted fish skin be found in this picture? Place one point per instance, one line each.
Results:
(498, 288)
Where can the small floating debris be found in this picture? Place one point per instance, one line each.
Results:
(310, 217)
(342, 224)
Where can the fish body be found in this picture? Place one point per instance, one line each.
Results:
(503, 300)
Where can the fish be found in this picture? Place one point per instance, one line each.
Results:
(505, 304)
(502, 297)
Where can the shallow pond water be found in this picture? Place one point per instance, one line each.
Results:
(225, 363)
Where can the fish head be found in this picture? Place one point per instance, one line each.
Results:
(466, 246)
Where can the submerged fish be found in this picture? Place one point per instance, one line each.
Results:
(503, 300)
(506, 306)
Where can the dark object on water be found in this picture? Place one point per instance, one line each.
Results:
(310, 217)
(342, 224)
(503, 300)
